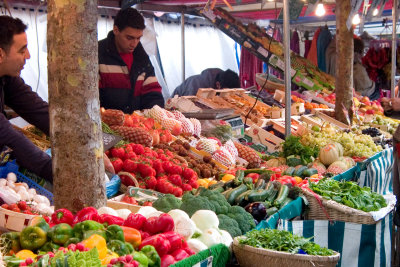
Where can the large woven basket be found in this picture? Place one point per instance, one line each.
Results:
(253, 257)
(268, 85)
(323, 209)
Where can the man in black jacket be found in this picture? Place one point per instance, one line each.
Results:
(20, 97)
(127, 79)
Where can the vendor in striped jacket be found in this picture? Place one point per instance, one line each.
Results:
(127, 79)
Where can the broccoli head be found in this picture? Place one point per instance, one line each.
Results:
(230, 225)
(167, 203)
(217, 200)
(191, 204)
(242, 217)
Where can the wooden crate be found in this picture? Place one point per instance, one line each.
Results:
(331, 120)
(307, 119)
(116, 204)
(259, 135)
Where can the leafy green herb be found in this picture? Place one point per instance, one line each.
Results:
(349, 194)
(283, 241)
(293, 146)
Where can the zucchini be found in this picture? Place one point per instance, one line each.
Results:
(229, 184)
(271, 211)
(239, 177)
(235, 193)
(219, 189)
(259, 171)
(266, 176)
(285, 202)
(242, 197)
(258, 195)
(292, 161)
(248, 182)
(227, 192)
(269, 186)
(272, 195)
(217, 184)
(282, 195)
(309, 172)
(289, 171)
(259, 184)
(299, 170)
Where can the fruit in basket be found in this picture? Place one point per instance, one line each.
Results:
(337, 167)
(223, 156)
(187, 126)
(318, 166)
(208, 145)
(249, 154)
(135, 135)
(196, 126)
(112, 117)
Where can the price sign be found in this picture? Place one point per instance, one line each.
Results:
(110, 140)
(209, 14)
(263, 52)
(280, 64)
(308, 82)
(205, 263)
(292, 72)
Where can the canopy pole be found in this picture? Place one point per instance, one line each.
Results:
(183, 45)
(288, 82)
(394, 47)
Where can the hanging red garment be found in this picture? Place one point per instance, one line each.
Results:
(249, 66)
(307, 46)
(312, 54)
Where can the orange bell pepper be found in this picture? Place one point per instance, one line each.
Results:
(132, 236)
(97, 241)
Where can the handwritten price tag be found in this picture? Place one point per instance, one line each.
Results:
(262, 51)
(308, 82)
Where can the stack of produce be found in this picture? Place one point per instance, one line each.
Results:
(18, 197)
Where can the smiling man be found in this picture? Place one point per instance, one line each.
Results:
(20, 97)
(127, 79)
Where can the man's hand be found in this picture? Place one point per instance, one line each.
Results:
(107, 164)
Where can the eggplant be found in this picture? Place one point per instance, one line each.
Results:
(257, 210)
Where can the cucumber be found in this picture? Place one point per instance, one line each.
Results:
(242, 197)
(217, 184)
(289, 171)
(258, 195)
(239, 177)
(309, 172)
(282, 195)
(235, 193)
(299, 170)
(271, 211)
(259, 184)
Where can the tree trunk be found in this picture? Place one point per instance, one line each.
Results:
(344, 64)
(75, 125)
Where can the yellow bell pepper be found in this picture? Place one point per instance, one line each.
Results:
(97, 241)
(203, 182)
(227, 177)
(110, 255)
(25, 253)
(212, 182)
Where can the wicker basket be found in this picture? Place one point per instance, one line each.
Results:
(40, 141)
(323, 209)
(123, 187)
(14, 221)
(269, 85)
(252, 257)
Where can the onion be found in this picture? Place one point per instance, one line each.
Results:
(32, 191)
(11, 177)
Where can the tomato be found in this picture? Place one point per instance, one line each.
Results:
(22, 205)
(129, 199)
(177, 191)
(253, 176)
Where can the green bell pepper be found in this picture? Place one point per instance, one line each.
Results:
(72, 240)
(141, 258)
(130, 247)
(32, 237)
(152, 256)
(82, 227)
(60, 233)
(40, 222)
(118, 247)
(49, 246)
(115, 232)
(10, 241)
(89, 233)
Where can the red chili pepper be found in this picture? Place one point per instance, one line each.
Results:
(111, 219)
(62, 216)
(88, 213)
(135, 220)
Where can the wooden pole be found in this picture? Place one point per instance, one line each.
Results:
(344, 64)
(75, 125)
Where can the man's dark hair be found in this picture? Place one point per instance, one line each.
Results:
(129, 17)
(359, 46)
(9, 27)
(228, 79)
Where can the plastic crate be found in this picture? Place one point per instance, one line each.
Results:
(12, 167)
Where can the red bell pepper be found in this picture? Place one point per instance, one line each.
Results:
(167, 260)
(151, 225)
(144, 234)
(135, 220)
(62, 216)
(176, 240)
(88, 213)
(180, 254)
(111, 219)
(253, 176)
(159, 242)
(165, 223)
